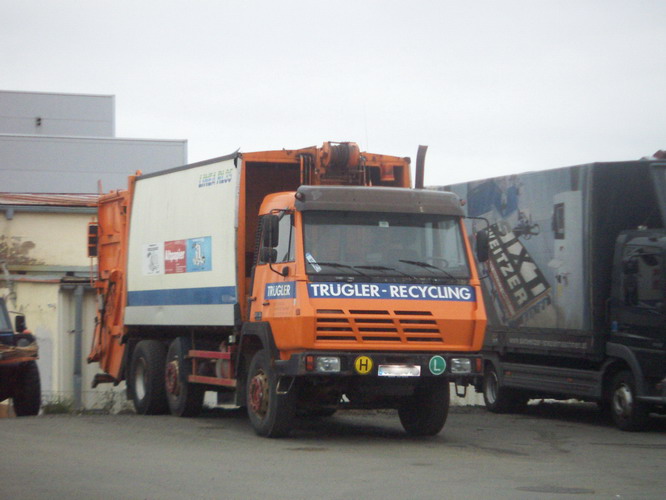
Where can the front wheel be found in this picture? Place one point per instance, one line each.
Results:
(628, 413)
(146, 378)
(185, 399)
(271, 409)
(500, 399)
(425, 412)
(27, 393)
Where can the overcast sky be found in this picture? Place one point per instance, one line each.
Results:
(492, 87)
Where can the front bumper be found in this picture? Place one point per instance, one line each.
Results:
(385, 364)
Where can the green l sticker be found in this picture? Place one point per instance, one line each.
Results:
(437, 365)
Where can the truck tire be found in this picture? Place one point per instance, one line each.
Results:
(627, 412)
(271, 414)
(147, 378)
(185, 399)
(27, 393)
(425, 412)
(500, 399)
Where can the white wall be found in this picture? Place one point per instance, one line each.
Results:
(45, 239)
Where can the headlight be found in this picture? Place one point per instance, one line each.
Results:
(461, 365)
(327, 364)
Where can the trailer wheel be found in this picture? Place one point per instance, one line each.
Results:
(147, 378)
(271, 411)
(425, 412)
(500, 399)
(27, 393)
(628, 413)
(185, 399)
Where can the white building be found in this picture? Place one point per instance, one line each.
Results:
(62, 143)
(65, 143)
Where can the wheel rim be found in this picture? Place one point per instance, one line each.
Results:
(259, 394)
(491, 387)
(172, 378)
(140, 379)
(623, 401)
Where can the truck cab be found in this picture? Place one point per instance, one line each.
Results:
(637, 315)
(366, 294)
(19, 374)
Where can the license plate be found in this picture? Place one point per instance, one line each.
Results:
(398, 371)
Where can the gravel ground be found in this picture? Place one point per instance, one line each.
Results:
(551, 451)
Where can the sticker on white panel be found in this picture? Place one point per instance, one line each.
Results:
(153, 259)
(199, 254)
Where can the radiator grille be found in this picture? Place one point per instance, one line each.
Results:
(367, 326)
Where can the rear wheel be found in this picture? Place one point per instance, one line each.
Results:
(147, 378)
(500, 399)
(425, 412)
(627, 412)
(271, 409)
(185, 399)
(27, 393)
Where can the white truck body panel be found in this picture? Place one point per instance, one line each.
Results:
(182, 246)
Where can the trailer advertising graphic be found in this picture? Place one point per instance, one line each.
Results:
(518, 282)
(534, 274)
(178, 256)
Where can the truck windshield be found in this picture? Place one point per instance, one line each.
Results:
(384, 245)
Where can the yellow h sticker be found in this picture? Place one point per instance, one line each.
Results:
(363, 365)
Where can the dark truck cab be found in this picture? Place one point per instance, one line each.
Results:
(19, 374)
(575, 287)
(637, 315)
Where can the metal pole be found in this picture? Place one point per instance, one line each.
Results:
(78, 346)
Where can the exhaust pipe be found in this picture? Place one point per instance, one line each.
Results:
(420, 167)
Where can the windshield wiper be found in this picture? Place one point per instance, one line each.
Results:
(384, 268)
(342, 266)
(428, 266)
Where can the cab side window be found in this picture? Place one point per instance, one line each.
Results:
(285, 248)
(643, 278)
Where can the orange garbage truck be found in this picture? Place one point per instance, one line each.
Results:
(293, 283)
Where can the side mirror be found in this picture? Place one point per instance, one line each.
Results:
(93, 239)
(482, 246)
(19, 324)
(270, 231)
(267, 255)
